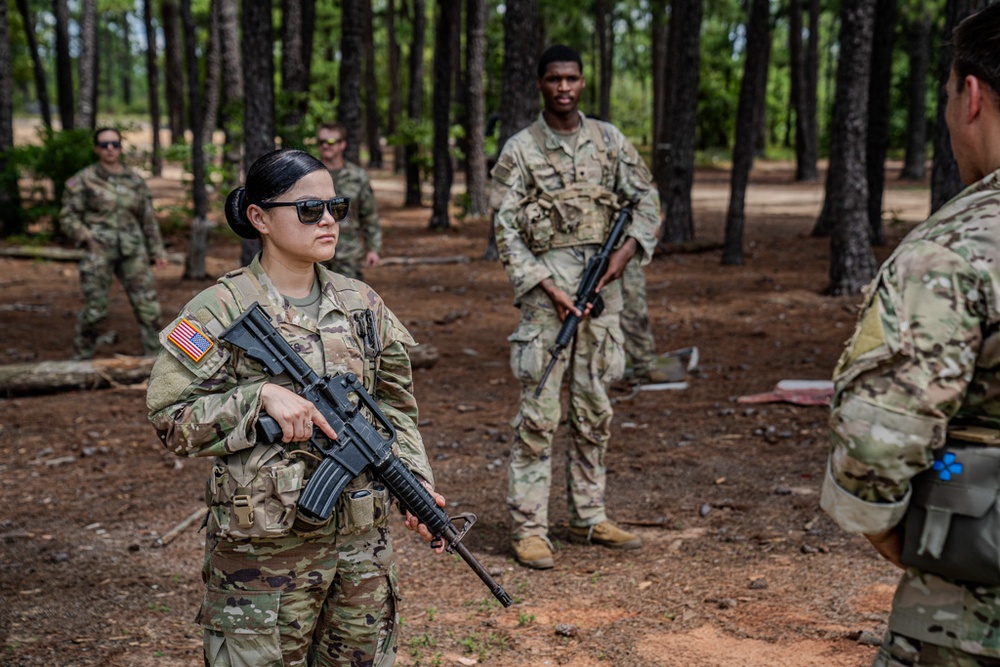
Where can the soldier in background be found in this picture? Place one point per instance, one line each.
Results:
(107, 210)
(918, 386)
(360, 241)
(555, 188)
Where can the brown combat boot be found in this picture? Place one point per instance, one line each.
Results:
(533, 552)
(606, 534)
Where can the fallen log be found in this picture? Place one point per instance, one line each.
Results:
(688, 247)
(423, 356)
(408, 261)
(57, 254)
(44, 377)
(171, 534)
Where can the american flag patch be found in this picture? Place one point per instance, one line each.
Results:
(187, 337)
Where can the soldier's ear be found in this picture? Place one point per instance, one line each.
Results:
(258, 218)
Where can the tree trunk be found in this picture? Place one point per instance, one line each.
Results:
(444, 65)
(685, 44)
(918, 48)
(41, 87)
(475, 107)
(753, 90)
(194, 269)
(879, 88)
(294, 84)
(945, 180)
(416, 100)
(173, 66)
(520, 56)
(213, 72)
(64, 71)
(125, 64)
(803, 95)
(662, 71)
(153, 83)
(11, 216)
(231, 111)
(852, 264)
(371, 90)
(395, 89)
(349, 108)
(258, 93)
(87, 112)
(604, 14)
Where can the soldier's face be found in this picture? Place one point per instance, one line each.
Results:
(288, 240)
(561, 87)
(108, 146)
(331, 144)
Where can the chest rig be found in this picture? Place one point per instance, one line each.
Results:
(578, 212)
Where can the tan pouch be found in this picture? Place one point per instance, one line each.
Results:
(359, 510)
(255, 494)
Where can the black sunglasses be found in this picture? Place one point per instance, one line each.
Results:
(109, 144)
(311, 210)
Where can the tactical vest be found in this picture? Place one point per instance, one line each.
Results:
(576, 214)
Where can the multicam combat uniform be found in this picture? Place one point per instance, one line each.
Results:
(554, 201)
(360, 231)
(640, 346)
(324, 594)
(924, 356)
(116, 212)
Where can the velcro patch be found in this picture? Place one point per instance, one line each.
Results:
(190, 339)
(503, 169)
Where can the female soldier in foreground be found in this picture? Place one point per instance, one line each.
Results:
(281, 590)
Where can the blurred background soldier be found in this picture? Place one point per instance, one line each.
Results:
(360, 241)
(107, 210)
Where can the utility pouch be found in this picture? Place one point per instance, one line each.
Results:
(255, 494)
(952, 525)
(536, 223)
(359, 510)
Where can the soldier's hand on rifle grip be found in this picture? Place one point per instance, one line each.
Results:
(295, 415)
(413, 523)
(562, 301)
(616, 263)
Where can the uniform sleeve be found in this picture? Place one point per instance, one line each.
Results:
(201, 408)
(394, 388)
(509, 187)
(371, 231)
(73, 205)
(903, 375)
(150, 228)
(634, 183)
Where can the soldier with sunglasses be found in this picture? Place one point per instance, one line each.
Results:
(281, 589)
(107, 210)
(360, 243)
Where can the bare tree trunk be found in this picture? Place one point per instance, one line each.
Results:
(231, 111)
(520, 54)
(945, 180)
(852, 264)
(64, 70)
(294, 84)
(173, 66)
(879, 87)
(395, 89)
(685, 44)
(662, 68)
(194, 268)
(803, 95)
(153, 83)
(349, 108)
(213, 72)
(258, 93)
(416, 100)
(753, 90)
(371, 90)
(475, 127)
(918, 53)
(41, 87)
(125, 65)
(604, 12)
(444, 65)
(87, 113)
(11, 216)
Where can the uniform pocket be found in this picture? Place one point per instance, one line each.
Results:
(265, 507)
(609, 362)
(527, 352)
(241, 628)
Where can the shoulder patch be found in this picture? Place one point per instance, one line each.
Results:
(503, 169)
(190, 339)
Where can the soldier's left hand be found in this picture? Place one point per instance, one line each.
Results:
(372, 259)
(890, 545)
(616, 263)
(161, 262)
(413, 523)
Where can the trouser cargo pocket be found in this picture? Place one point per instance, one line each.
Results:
(241, 628)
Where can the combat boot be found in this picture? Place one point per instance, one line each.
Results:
(534, 552)
(605, 533)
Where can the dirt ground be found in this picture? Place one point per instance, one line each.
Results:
(739, 565)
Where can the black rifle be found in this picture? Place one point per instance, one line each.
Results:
(586, 292)
(359, 444)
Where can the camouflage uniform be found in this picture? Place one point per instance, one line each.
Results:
(360, 231)
(605, 163)
(116, 212)
(640, 347)
(316, 595)
(924, 354)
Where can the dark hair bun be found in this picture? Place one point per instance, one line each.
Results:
(236, 215)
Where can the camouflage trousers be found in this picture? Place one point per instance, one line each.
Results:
(595, 360)
(96, 272)
(640, 347)
(900, 651)
(321, 600)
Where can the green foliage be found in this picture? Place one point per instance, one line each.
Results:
(60, 155)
